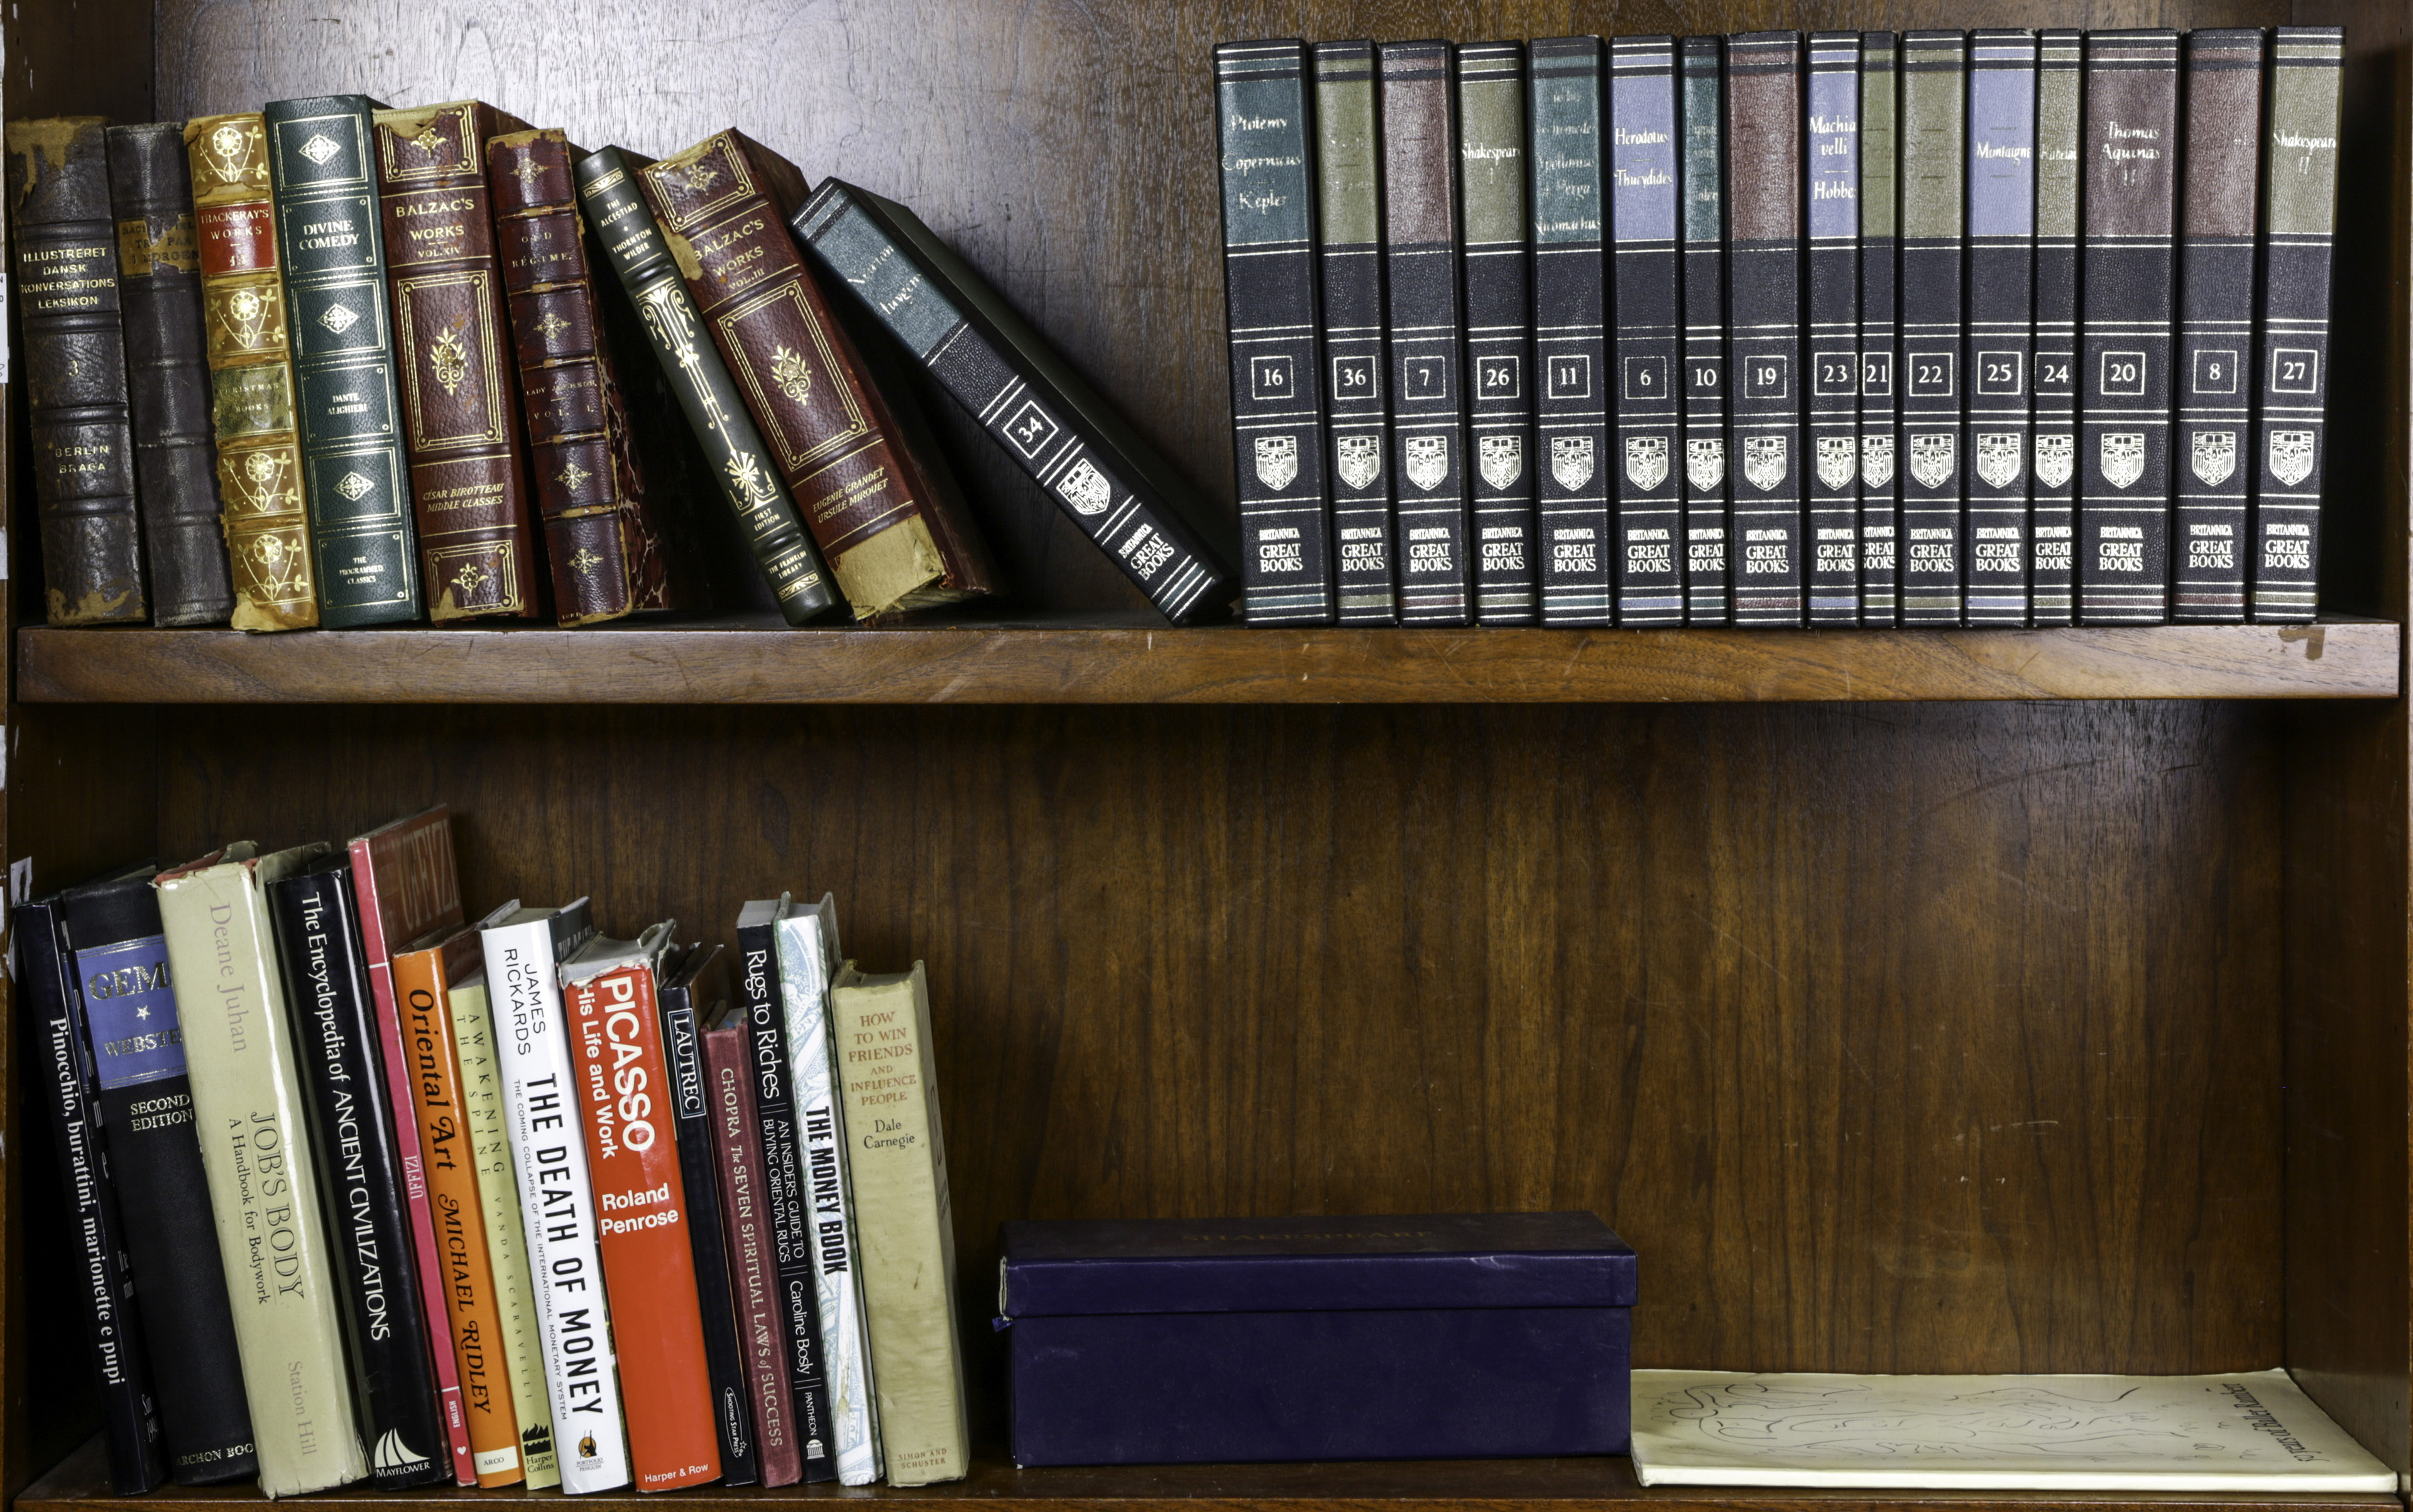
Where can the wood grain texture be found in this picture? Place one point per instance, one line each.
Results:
(1028, 664)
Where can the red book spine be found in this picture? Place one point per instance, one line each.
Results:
(753, 1265)
(641, 1210)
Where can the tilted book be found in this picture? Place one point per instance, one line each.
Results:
(120, 956)
(334, 1023)
(2126, 267)
(263, 1180)
(1998, 348)
(2291, 364)
(524, 948)
(753, 1262)
(346, 405)
(159, 296)
(1765, 200)
(880, 1027)
(613, 1022)
(1498, 276)
(1645, 206)
(2052, 464)
(1832, 329)
(1349, 274)
(1935, 68)
(452, 353)
(75, 363)
(1264, 128)
(70, 1088)
(251, 375)
(1880, 220)
(1124, 497)
(1707, 575)
(1570, 228)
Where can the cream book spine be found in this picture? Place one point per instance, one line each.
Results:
(489, 1147)
(905, 1233)
(248, 1106)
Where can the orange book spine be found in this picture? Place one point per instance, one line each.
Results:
(421, 979)
(641, 1210)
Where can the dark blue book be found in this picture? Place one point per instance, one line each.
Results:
(1570, 328)
(1932, 147)
(1997, 351)
(1645, 206)
(1349, 269)
(1880, 204)
(1766, 198)
(1708, 581)
(2052, 489)
(1499, 328)
(1833, 328)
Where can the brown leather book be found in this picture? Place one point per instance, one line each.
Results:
(600, 538)
(896, 530)
(460, 405)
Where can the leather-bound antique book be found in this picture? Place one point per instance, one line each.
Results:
(2126, 281)
(1766, 201)
(266, 523)
(75, 370)
(452, 353)
(897, 533)
(2292, 361)
(160, 294)
(1831, 329)
(1645, 203)
(1708, 581)
(1349, 271)
(1880, 219)
(2052, 462)
(1498, 276)
(746, 1227)
(1570, 227)
(1265, 128)
(1997, 348)
(601, 540)
(348, 407)
(1935, 68)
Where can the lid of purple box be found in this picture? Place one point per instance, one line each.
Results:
(1314, 1265)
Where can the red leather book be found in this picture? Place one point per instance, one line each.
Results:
(624, 1088)
(600, 538)
(460, 403)
(753, 1261)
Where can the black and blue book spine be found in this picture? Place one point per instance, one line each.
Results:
(1708, 578)
(1264, 128)
(1934, 71)
(2052, 466)
(1646, 201)
(1499, 328)
(1833, 328)
(1880, 224)
(1349, 266)
(1766, 196)
(1997, 353)
(1570, 206)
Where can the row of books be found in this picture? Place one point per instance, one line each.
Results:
(363, 1190)
(1991, 328)
(336, 364)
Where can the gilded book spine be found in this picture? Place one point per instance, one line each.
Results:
(1499, 292)
(1709, 583)
(2052, 507)
(1644, 202)
(1767, 200)
(1880, 204)
(1833, 328)
(1349, 277)
(1998, 349)
(251, 375)
(1570, 215)
(1934, 165)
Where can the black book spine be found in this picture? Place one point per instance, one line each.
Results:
(360, 1176)
(1880, 244)
(1348, 271)
(1708, 577)
(1499, 272)
(1263, 127)
(1997, 350)
(785, 1194)
(1766, 168)
(1645, 206)
(1833, 330)
(1934, 77)
(155, 1159)
(2292, 366)
(2127, 263)
(130, 1420)
(699, 1175)
(2052, 507)
(1570, 206)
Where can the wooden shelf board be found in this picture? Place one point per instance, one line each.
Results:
(1075, 660)
(1415, 1486)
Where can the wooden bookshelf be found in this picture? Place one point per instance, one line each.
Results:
(1911, 1000)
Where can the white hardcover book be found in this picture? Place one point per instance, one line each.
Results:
(524, 949)
(808, 935)
(2058, 1434)
(248, 1109)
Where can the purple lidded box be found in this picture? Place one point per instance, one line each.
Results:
(1437, 1337)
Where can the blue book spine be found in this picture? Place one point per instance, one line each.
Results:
(1645, 202)
(1998, 350)
(1833, 328)
(1570, 328)
(1707, 580)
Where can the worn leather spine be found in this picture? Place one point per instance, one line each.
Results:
(601, 541)
(1880, 202)
(348, 407)
(1708, 581)
(1934, 81)
(1831, 330)
(1767, 197)
(2052, 454)
(1570, 227)
(1645, 203)
(75, 370)
(897, 533)
(1499, 283)
(159, 288)
(1349, 273)
(1998, 347)
(2292, 363)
